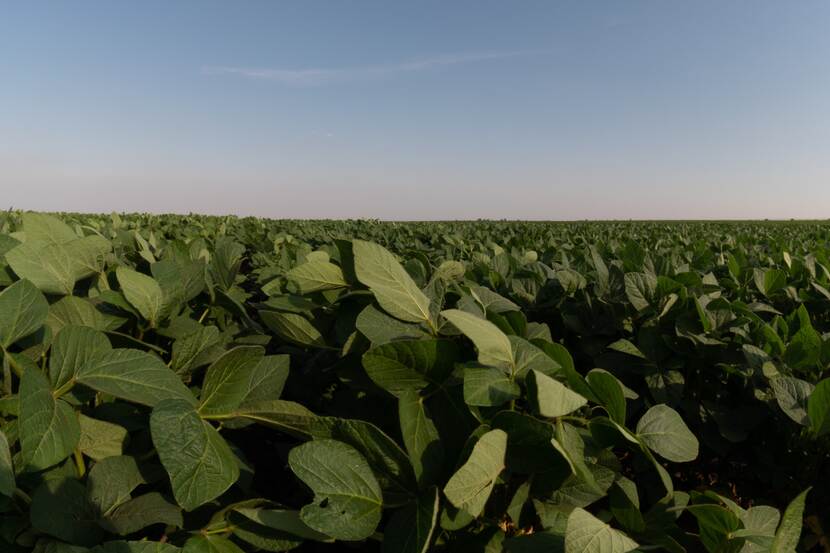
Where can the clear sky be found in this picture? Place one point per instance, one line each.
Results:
(418, 109)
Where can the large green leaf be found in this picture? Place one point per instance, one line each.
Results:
(7, 485)
(143, 293)
(392, 286)
(380, 328)
(272, 529)
(389, 462)
(294, 328)
(49, 267)
(71, 349)
(610, 393)
(111, 481)
(791, 394)
(210, 544)
(347, 497)
(550, 398)
(587, 534)
(229, 380)
(640, 288)
(140, 512)
(100, 439)
(315, 276)
(23, 310)
(493, 346)
(197, 348)
(571, 445)
(470, 487)
(285, 416)
(133, 375)
(421, 439)
(663, 431)
(488, 387)
(45, 229)
(818, 407)
(49, 428)
(410, 364)
(197, 459)
(789, 531)
(135, 547)
(72, 310)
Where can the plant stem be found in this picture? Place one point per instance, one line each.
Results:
(65, 388)
(79, 461)
(22, 496)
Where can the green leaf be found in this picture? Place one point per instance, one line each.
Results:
(46, 229)
(210, 544)
(294, 328)
(409, 365)
(529, 357)
(111, 481)
(487, 387)
(662, 430)
(624, 501)
(389, 462)
(143, 293)
(549, 397)
(100, 439)
(133, 375)
(769, 281)
(72, 310)
(411, 529)
(626, 347)
(640, 289)
(140, 512)
(229, 380)
(60, 509)
(804, 350)
(792, 395)
(315, 276)
(49, 428)
(587, 534)
(7, 485)
(49, 267)
(529, 447)
(272, 529)
(286, 416)
(759, 524)
(610, 393)
(380, 328)
(135, 547)
(23, 310)
(225, 262)
(469, 488)
(392, 286)
(421, 439)
(199, 462)
(494, 348)
(347, 497)
(571, 445)
(88, 255)
(71, 349)
(789, 532)
(818, 407)
(195, 349)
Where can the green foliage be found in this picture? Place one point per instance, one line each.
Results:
(211, 384)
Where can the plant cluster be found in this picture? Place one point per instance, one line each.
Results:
(214, 384)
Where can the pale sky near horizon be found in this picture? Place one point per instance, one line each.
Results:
(655, 109)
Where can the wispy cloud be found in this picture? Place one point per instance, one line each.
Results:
(317, 76)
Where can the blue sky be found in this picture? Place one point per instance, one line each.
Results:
(418, 110)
